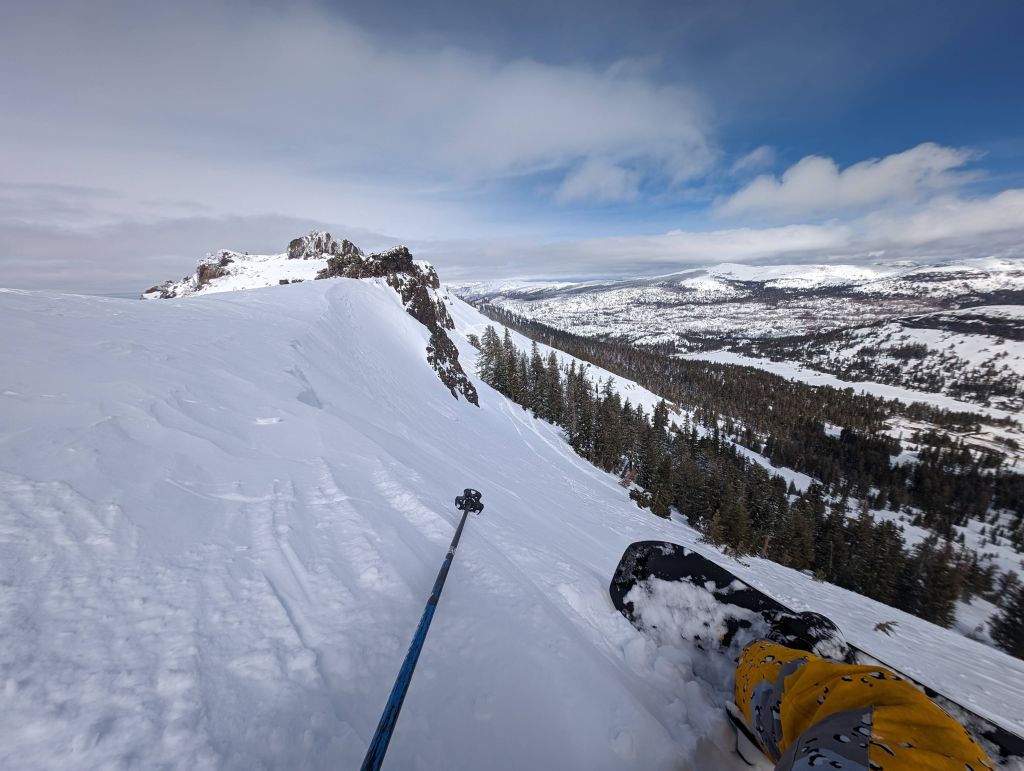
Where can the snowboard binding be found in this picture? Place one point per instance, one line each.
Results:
(808, 631)
(469, 501)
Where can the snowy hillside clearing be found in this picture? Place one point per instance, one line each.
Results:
(990, 437)
(973, 354)
(794, 371)
(220, 517)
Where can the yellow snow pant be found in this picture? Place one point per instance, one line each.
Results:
(806, 711)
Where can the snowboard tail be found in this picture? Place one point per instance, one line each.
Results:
(646, 563)
(647, 560)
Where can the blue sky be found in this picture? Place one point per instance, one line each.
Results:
(530, 139)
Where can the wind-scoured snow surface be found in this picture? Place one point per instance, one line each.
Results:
(220, 518)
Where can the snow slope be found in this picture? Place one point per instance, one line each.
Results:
(220, 518)
(242, 271)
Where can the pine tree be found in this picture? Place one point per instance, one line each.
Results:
(488, 362)
(1008, 627)
(507, 366)
(608, 448)
(535, 382)
(943, 587)
(662, 489)
(553, 395)
(886, 562)
(929, 586)
(521, 380)
(862, 536)
(660, 418)
(1006, 585)
(730, 525)
(793, 545)
(570, 411)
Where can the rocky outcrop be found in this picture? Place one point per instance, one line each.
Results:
(210, 269)
(417, 284)
(162, 291)
(214, 266)
(319, 244)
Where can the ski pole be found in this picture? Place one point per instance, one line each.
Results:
(468, 502)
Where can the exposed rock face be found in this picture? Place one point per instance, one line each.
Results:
(214, 266)
(209, 270)
(378, 265)
(159, 291)
(318, 244)
(417, 283)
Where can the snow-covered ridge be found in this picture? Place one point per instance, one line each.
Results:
(305, 259)
(944, 279)
(318, 255)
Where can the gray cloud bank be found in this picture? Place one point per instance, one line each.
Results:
(948, 228)
(289, 107)
(137, 137)
(129, 257)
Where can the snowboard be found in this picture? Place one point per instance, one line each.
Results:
(652, 573)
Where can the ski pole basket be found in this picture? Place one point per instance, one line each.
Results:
(469, 501)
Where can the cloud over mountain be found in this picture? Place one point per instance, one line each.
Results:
(816, 185)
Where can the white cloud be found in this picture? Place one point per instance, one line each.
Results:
(158, 132)
(950, 219)
(599, 181)
(631, 255)
(947, 227)
(757, 159)
(815, 185)
(288, 108)
(740, 244)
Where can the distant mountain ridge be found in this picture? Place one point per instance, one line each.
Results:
(923, 288)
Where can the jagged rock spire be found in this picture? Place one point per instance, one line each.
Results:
(319, 244)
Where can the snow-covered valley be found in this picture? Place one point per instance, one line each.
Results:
(950, 328)
(220, 517)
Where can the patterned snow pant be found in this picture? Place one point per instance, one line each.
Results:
(809, 713)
